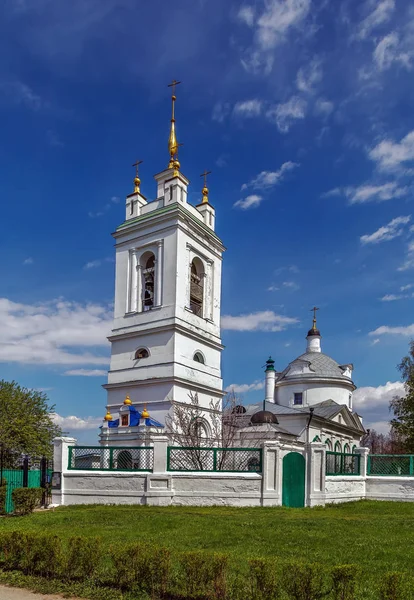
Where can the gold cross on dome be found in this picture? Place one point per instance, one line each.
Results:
(173, 84)
(136, 165)
(205, 177)
(314, 309)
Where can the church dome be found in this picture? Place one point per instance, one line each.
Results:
(264, 416)
(315, 365)
(314, 331)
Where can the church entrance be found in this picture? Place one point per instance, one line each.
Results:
(293, 480)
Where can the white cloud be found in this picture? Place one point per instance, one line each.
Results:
(248, 108)
(409, 286)
(86, 372)
(365, 398)
(76, 423)
(284, 115)
(309, 76)
(93, 264)
(393, 229)
(323, 107)
(278, 18)
(252, 201)
(265, 320)
(390, 155)
(375, 342)
(17, 92)
(291, 285)
(28, 261)
(409, 260)
(55, 332)
(406, 331)
(221, 110)
(381, 14)
(369, 193)
(243, 388)
(273, 288)
(388, 51)
(246, 15)
(379, 426)
(267, 179)
(104, 209)
(393, 297)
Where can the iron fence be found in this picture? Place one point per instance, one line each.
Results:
(97, 458)
(397, 465)
(341, 463)
(229, 460)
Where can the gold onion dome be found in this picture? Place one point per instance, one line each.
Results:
(108, 416)
(137, 183)
(145, 414)
(127, 400)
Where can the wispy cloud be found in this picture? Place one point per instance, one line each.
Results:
(107, 206)
(409, 259)
(17, 92)
(309, 76)
(393, 297)
(267, 179)
(265, 320)
(390, 155)
(28, 261)
(246, 15)
(55, 332)
(393, 229)
(248, 108)
(285, 115)
(244, 388)
(94, 264)
(323, 107)
(406, 331)
(221, 110)
(409, 286)
(86, 373)
(388, 51)
(252, 201)
(380, 15)
(369, 192)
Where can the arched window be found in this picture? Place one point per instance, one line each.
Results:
(199, 428)
(197, 286)
(141, 353)
(353, 449)
(338, 447)
(328, 445)
(148, 280)
(125, 420)
(316, 439)
(198, 357)
(347, 449)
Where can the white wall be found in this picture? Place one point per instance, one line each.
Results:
(313, 393)
(390, 488)
(340, 488)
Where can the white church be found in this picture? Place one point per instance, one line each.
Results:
(165, 340)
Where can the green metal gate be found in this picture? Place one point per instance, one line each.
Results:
(293, 480)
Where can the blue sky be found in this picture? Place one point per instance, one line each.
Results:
(303, 111)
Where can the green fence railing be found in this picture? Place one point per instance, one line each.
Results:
(98, 458)
(398, 465)
(342, 463)
(229, 460)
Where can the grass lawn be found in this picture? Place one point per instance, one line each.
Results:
(379, 536)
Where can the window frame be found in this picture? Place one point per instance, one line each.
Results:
(295, 394)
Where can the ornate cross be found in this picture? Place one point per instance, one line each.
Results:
(205, 177)
(136, 165)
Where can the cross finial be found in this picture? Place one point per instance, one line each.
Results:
(137, 180)
(172, 140)
(204, 191)
(173, 84)
(314, 309)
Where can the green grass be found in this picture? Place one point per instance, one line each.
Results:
(379, 536)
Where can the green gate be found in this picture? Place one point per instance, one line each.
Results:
(293, 490)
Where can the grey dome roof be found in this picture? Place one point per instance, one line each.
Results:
(316, 365)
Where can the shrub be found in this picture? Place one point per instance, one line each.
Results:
(83, 557)
(393, 586)
(13, 545)
(141, 566)
(26, 499)
(344, 579)
(43, 555)
(204, 575)
(305, 581)
(3, 497)
(263, 580)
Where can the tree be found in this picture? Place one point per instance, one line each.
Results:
(194, 428)
(403, 408)
(26, 424)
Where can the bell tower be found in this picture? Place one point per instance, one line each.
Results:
(165, 339)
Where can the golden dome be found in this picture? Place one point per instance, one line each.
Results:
(127, 400)
(145, 414)
(108, 416)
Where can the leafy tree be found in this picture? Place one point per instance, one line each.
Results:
(403, 408)
(26, 424)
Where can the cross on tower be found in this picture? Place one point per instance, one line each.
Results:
(136, 165)
(173, 84)
(314, 309)
(205, 177)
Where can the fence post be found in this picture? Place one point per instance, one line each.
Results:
(214, 459)
(60, 464)
(363, 453)
(315, 474)
(26, 471)
(160, 444)
(411, 465)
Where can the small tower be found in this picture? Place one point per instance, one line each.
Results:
(270, 375)
(314, 335)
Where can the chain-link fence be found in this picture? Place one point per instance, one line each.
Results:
(391, 464)
(97, 458)
(230, 460)
(339, 463)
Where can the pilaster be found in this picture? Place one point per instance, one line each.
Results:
(60, 466)
(315, 473)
